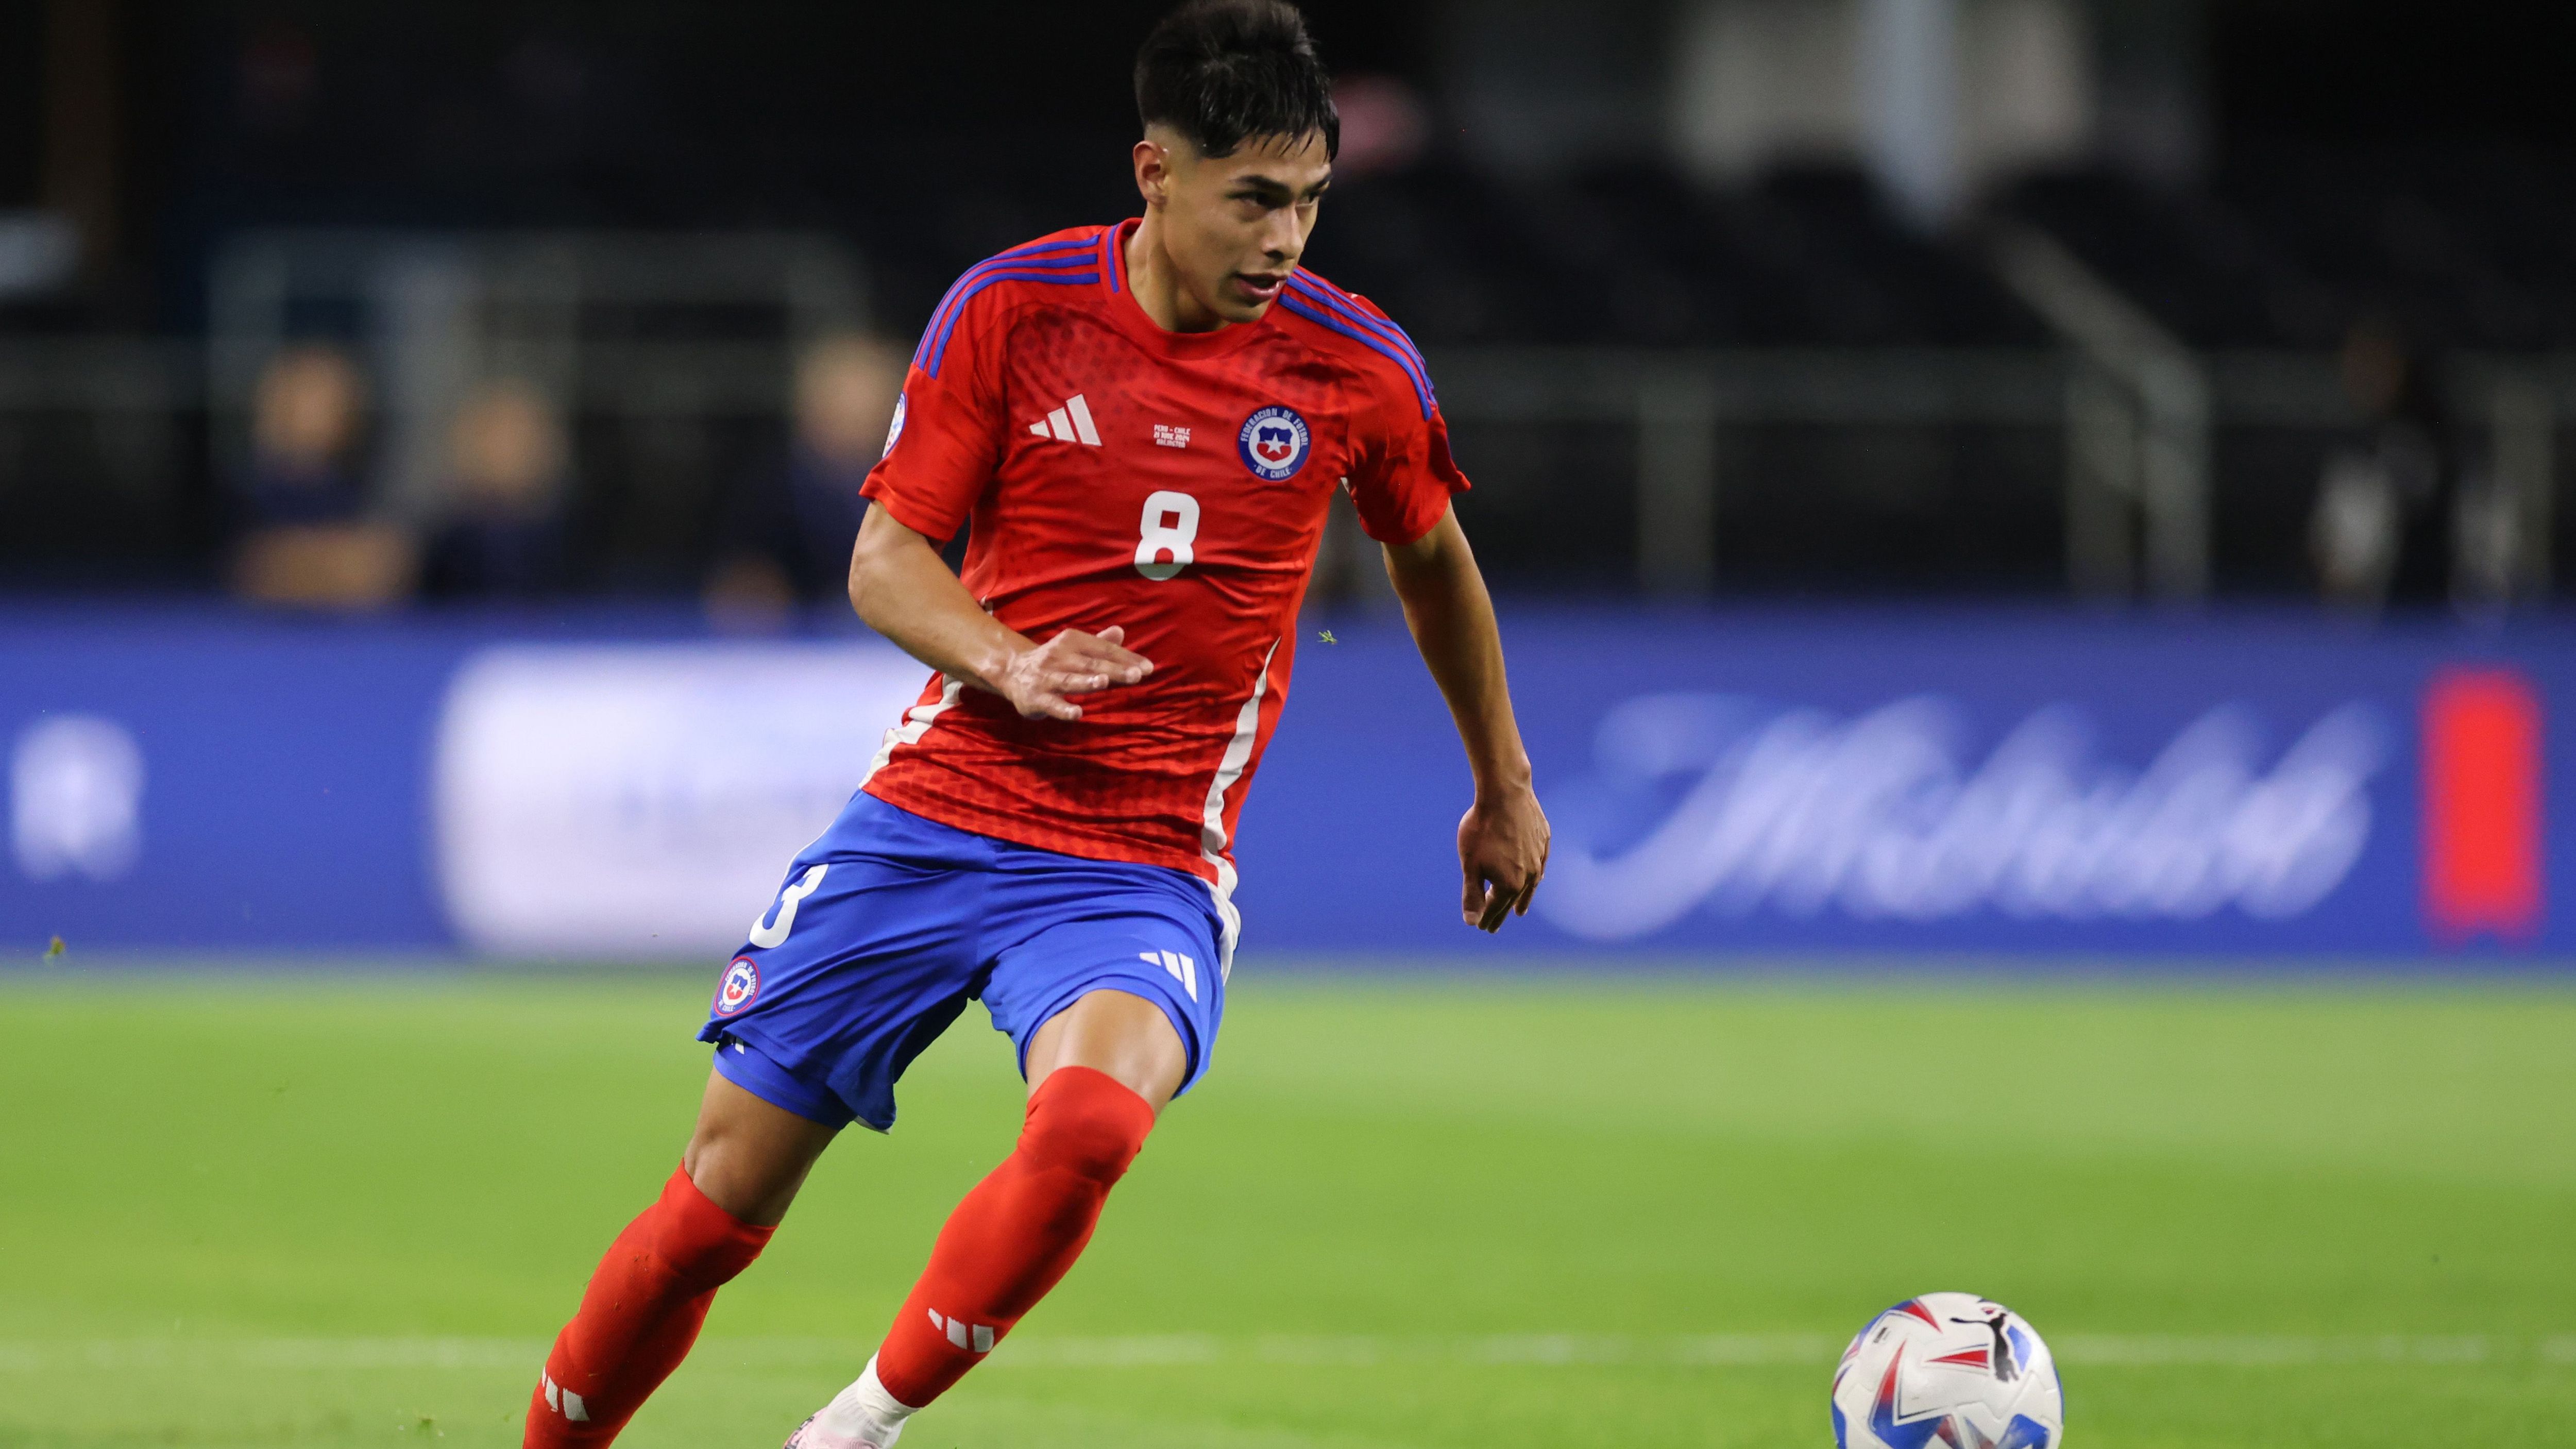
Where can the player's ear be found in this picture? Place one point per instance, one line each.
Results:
(1153, 171)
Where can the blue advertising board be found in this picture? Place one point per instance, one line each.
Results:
(2037, 784)
(1895, 781)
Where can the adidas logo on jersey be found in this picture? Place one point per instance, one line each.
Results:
(1069, 424)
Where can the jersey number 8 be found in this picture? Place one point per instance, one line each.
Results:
(1170, 524)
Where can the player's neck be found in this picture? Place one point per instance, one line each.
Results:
(1156, 283)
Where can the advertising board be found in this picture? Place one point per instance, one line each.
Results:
(2038, 786)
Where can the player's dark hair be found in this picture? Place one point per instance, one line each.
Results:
(1223, 71)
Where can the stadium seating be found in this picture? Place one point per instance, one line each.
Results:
(2280, 249)
(2465, 246)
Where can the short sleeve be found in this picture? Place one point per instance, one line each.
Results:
(946, 438)
(1405, 476)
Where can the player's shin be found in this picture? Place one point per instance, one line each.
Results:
(1008, 1243)
(639, 1315)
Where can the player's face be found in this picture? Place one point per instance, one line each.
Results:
(1234, 226)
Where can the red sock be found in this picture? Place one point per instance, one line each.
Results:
(1016, 1233)
(639, 1315)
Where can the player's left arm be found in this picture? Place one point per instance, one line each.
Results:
(1502, 842)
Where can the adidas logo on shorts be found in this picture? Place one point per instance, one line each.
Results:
(1183, 969)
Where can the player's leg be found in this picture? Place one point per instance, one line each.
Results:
(1100, 1070)
(864, 957)
(650, 1294)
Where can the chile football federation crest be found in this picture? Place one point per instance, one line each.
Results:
(1274, 442)
(741, 985)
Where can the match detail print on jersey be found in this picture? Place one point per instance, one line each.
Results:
(1172, 485)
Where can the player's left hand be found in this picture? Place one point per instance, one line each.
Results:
(1502, 847)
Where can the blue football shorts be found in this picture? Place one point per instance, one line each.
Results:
(889, 924)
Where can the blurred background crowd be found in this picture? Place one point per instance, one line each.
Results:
(345, 306)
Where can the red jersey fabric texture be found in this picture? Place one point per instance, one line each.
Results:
(1172, 484)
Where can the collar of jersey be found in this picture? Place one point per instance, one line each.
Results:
(1130, 316)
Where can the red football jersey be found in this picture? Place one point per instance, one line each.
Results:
(1174, 484)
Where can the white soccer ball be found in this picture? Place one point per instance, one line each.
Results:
(1948, 1371)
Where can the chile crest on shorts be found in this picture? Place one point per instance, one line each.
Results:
(1274, 442)
(740, 987)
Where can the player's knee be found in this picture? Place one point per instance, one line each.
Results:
(705, 1246)
(1087, 1142)
(1087, 1123)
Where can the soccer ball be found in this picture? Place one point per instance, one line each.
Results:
(1949, 1370)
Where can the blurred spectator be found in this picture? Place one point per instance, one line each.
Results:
(501, 534)
(787, 529)
(1384, 125)
(2387, 516)
(305, 539)
(305, 417)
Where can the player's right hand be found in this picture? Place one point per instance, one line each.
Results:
(1040, 681)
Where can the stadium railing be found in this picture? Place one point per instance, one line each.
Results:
(2172, 470)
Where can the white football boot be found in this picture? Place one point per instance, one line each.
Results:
(862, 1416)
(808, 1436)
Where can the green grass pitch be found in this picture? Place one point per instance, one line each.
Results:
(1471, 1213)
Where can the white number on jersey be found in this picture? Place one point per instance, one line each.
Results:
(1161, 538)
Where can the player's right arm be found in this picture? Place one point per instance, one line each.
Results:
(903, 590)
(940, 456)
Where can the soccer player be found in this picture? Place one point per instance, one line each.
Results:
(1146, 425)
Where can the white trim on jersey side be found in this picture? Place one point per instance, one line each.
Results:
(916, 723)
(1212, 842)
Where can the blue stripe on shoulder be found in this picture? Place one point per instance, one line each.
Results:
(1036, 254)
(1348, 306)
(1031, 251)
(936, 345)
(1322, 318)
(1402, 354)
